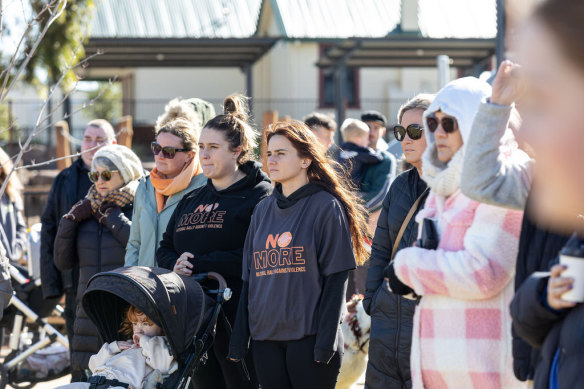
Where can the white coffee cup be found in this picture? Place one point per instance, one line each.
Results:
(575, 270)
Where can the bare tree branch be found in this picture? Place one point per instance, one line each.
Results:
(78, 154)
(70, 65)
(60, 7)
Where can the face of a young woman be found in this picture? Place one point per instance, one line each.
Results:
(284, 164)
(552, 124)
(217, 160)
(104, 187)
(172, 167)
(447, 144)
(413, 149)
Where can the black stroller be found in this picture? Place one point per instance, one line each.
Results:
(185, 311)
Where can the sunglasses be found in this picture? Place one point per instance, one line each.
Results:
(414, 131)
(448, 124)
(106, 175)
(167, 151)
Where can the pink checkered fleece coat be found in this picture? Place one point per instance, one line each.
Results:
(462, 326)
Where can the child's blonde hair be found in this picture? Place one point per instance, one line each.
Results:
(353, 128)
(131, 315)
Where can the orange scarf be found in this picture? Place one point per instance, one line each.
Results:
(169, 186)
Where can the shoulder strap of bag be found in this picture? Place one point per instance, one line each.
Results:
(402, 229)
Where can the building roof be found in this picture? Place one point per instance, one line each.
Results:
(407, 51)
(296, 19)
(175, 18)
(227, 32)
(304, 19)
(319, 19)
(164, 52)
(458, 18)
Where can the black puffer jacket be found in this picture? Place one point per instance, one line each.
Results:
(537, 249)
(550, 331)
(95, 248)
(70, 186)
(391, 315)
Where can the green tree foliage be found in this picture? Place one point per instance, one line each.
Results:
(63, 40)
(108, 105)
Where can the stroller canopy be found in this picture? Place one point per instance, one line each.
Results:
(175, 303)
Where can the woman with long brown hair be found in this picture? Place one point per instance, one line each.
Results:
(302, 242)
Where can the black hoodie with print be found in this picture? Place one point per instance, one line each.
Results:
(212, 225)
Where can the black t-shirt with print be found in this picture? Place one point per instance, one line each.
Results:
(287, 254)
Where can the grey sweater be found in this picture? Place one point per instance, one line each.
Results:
(488, 175)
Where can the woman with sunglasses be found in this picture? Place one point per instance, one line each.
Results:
(392, 315)
(208, 227)
(95, 232)
(462, 327)
(177, 172)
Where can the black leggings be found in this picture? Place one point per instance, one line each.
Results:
(219, 372)
(290, 364)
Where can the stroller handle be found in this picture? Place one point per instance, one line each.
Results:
(217, 277)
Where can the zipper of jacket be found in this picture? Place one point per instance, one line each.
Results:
(397, 331)
(99, 232)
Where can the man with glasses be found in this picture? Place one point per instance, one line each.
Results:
(70, 186)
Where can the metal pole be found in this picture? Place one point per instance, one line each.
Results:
(501, 27)
(443, 62)
(339, 79)
(249, 84)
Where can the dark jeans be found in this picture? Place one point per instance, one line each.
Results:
(291, 365)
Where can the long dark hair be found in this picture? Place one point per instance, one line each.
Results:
(321, 172)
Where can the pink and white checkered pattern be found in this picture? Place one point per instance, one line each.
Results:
(462, 326)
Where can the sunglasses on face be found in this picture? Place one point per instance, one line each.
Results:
(448, 124)
(167, 151)
(414, 131)
(106, 175)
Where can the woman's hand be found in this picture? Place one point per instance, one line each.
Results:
(507, 85)
(557, 286)
(183, 266)
(80, 211)
(123, 345)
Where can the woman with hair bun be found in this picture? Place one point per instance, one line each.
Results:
(207, 230)
(302, 242)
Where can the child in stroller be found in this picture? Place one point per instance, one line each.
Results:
(183, 310)
(137, 363)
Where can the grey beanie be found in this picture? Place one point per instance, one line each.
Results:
(127, 163)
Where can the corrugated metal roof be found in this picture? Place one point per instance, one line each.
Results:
(458, 18)
(378, 18)
(175, 18)
(297, 19)
(337, 18)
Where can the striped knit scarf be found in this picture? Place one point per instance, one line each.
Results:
(121, 197)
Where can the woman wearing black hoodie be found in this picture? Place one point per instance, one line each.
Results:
(207, 230)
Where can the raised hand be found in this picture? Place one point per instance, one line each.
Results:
(507, 85)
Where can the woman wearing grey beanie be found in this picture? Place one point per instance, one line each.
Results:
(95, 232)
